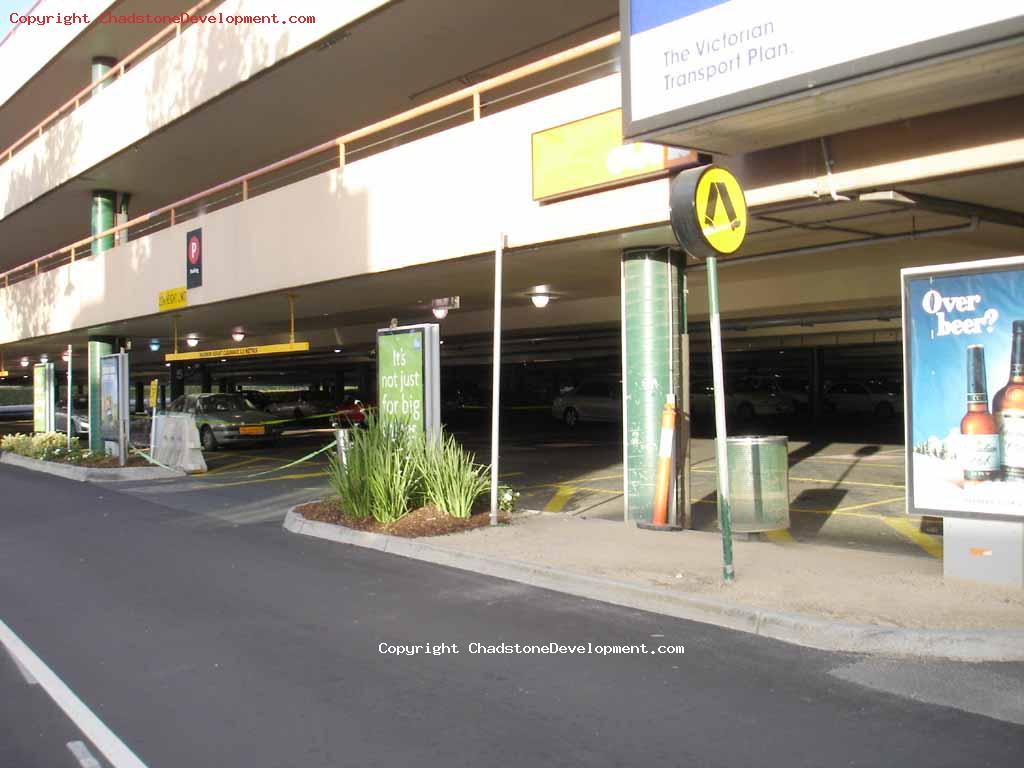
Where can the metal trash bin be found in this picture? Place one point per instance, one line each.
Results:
(759, 483)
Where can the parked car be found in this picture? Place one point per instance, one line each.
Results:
(79, 416)
(744, 399)
(226, 418)
(300, 405)
(351, 413)
(864, 397)
(592, 400)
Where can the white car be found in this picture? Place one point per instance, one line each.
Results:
(864, 397)
(593, 400)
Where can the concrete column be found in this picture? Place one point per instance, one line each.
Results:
(816, 390)
(177, 381)
(162, 398)
(651, 367)
(98, 346)
(103, 202)
(205, 379)
(140, 397)
(99, 67)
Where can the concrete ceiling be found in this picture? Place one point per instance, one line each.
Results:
(408, 53)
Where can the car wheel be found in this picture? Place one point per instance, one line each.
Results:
(884, 411)
(570, 417)
(745, 411)
(206, 437)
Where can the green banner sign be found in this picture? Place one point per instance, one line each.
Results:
(400, 375)
(42, 398)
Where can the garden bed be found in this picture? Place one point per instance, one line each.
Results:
(425, 521)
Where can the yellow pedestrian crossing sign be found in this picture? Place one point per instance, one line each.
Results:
(709, 211)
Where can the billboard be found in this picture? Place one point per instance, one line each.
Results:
(43, 398)
(685, 60)
(408, 368)
(963, 341)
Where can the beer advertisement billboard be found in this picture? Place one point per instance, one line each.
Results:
(963, 342)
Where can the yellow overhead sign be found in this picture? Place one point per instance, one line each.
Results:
(263, 349)
(588, 155)
(4, 374)
(174, 298)
(722, 210)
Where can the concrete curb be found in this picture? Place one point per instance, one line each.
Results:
(808, 631)
(88, 474)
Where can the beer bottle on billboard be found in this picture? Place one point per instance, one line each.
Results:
(1008, 410)
(979, 435)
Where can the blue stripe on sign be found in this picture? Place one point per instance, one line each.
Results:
(648, 14)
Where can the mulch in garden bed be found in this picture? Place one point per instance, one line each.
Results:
(425, 521)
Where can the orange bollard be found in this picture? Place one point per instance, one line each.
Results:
(663, 480)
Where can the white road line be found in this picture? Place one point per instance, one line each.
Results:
(102, 737)
(83, 755)
(24, 672)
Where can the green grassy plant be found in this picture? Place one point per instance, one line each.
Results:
(452, 480)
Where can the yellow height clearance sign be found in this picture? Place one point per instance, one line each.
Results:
(263, 349)
(154, 393)
(588, 155)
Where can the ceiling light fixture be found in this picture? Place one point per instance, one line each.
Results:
(540, 300)
(154, 345)
(337, 350)
(24, 362)
(440, 312)
(238, 334)
(192, 340)
(44, 358)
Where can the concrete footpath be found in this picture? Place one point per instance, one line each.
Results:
(818, 596)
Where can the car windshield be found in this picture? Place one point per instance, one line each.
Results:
(223, 403)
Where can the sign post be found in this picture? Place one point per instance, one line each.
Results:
(709, 217)
(69, 398)
(408, 376)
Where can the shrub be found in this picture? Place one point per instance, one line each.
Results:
(452, 481)
(507, 499)
(50, 446)
(380, 478)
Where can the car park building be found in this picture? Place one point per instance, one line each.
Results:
(359, 167)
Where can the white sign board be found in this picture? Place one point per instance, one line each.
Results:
(688, 59)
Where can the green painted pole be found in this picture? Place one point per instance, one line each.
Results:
(721, 437)
(102, 219)
(651, 367)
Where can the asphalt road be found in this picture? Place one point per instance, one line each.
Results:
(204, 644)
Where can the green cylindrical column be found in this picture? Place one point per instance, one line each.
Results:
(651, 305)
(103, 202)
(97, 348)
(100, 66)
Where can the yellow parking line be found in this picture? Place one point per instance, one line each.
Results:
(560, 499)
(237, 464)
(848, 462)
(906, 528)
(270, 479)
(779, 537)
(820, 480)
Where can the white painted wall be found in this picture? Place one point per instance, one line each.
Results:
(176, 79)
(443, 197)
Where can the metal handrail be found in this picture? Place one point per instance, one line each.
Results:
(117, 71)
(472, 92)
